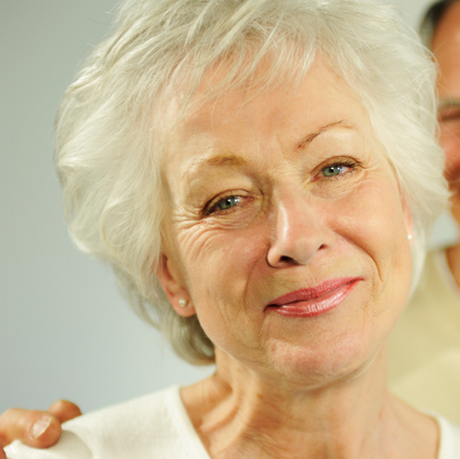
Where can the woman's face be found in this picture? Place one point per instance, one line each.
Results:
(287, 231)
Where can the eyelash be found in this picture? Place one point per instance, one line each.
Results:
(212, 205)
(337, 162)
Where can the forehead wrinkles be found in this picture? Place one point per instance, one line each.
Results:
(229, 123)
(201, 106)
(256, 79)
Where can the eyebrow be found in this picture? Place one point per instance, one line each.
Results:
(225, 159)
(448, 103)
(233, 160)
(222, 159)
(310, 137)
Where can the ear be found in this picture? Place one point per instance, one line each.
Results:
(172, 283)
(408, 218)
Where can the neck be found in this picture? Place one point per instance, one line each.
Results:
(238, 413)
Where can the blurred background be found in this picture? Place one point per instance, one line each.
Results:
(64, 330)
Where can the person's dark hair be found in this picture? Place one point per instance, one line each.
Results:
(431, 19)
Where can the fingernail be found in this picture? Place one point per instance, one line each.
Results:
(40, 426)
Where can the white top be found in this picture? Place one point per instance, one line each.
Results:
(155, 426)
(449, 447)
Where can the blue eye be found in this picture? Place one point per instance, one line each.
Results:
(228, 203)
(333, 170)
(223, 205)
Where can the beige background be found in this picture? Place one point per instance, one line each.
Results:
(64, 331)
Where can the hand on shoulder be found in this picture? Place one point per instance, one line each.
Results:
(38, 429)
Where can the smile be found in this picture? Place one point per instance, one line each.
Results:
(312, 302)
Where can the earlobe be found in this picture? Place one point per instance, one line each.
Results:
(171, 281)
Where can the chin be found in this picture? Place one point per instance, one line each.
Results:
(316, 367)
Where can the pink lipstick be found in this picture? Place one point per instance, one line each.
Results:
(310, 302)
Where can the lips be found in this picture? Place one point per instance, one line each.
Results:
(312, 302)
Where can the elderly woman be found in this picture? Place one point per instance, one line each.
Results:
(261, 174)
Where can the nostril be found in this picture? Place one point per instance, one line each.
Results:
(285, 259)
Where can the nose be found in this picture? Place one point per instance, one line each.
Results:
(299, 233)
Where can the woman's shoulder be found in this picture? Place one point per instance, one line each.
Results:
(156, 423)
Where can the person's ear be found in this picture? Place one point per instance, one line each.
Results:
(408, 218)
(173, 285)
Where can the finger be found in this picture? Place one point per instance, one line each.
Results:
(38, 429)
(64, 410)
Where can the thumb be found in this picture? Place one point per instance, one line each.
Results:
(38, 429)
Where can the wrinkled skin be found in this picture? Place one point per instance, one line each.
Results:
(271, 195)
(277, 194)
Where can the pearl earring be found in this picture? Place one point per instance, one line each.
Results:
(182, 302)
(409, 236)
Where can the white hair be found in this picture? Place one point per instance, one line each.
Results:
(109, 137)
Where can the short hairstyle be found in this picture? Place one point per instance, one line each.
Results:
(109, 134)
(431, 19)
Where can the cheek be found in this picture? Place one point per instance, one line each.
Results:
(376, 213)
(220, 263)
(375, 225)
(222, 266)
